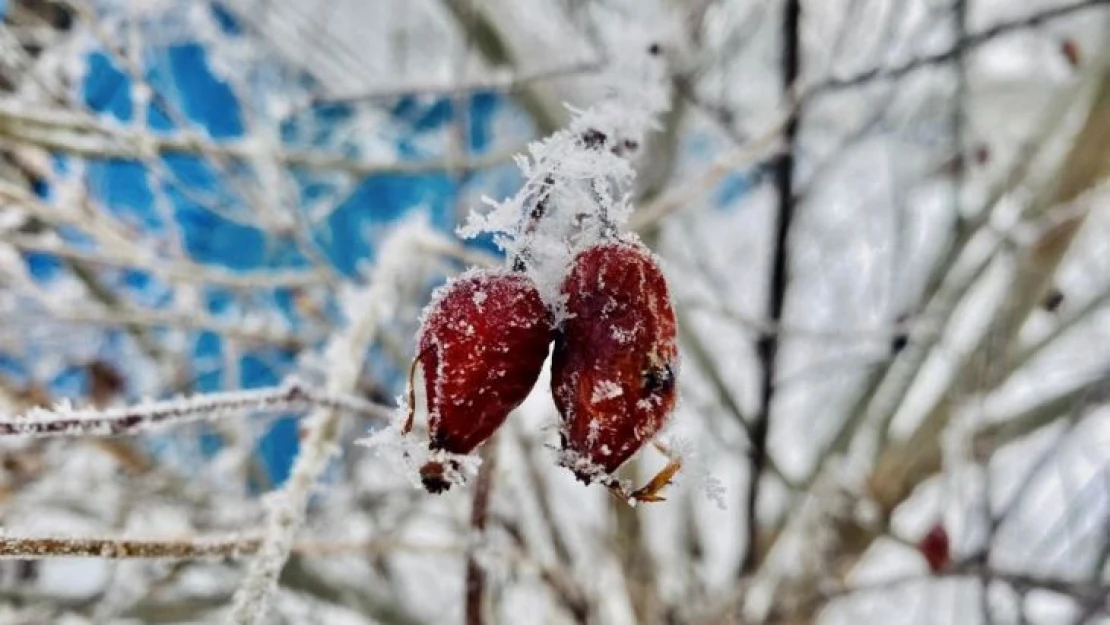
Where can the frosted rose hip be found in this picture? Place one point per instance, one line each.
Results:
(615, 359)
(481, 347)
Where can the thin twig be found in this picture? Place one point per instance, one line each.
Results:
(767, 345)
(25, 547)
(252, 332)
(482, 29)
(190, 548)
(82, 135)
(500, 83)
(1019, 581)
(172, 269)
(293, 395)
(751, 154)
(962, 45)
(475, 588)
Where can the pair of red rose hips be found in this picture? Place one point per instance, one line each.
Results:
(484, 339)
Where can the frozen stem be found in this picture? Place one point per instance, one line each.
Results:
(189, 547)
(479, 512)
(63, 420)
(344, 354)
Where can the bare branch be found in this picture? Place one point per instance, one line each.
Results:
(127, 548)
(767, 345)
(231, 546)
(293, 395)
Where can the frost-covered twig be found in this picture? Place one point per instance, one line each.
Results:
(366, 310)
(253, 331)
(578, 179)
(83, 135)
(439, 89)
(189, 548)
(176, 270)
(64, 420)
(751, 153)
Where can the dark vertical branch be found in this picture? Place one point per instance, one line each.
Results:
(959, 102)
(768, 345)
(475, 575)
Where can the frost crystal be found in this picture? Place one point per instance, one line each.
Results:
(697, 469)
(605, 389)
(578, 180)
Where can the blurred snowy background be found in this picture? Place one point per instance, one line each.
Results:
(885, 227)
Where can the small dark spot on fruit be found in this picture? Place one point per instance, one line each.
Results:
(658, 379)
(654, 49)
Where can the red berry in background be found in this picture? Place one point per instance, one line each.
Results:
(1070, 49)
(615, 360)
(481, 346)
(934, 546)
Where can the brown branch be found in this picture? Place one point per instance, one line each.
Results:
(479, 511)
(189, 548)
(126, 548)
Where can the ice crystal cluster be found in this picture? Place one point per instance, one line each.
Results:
(578, 181)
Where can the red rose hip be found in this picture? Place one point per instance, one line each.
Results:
(615, 360)
(935, 548)
(481, 346)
